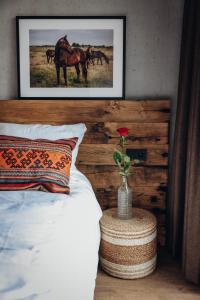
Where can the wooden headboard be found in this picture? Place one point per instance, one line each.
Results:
(148, 124)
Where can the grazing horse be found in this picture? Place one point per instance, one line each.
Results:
(99, 55)
(66, 56)
(50, 55)
(88, 54)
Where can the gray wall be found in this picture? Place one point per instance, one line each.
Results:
(153, 41)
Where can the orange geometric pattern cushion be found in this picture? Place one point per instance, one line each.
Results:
(35, 164)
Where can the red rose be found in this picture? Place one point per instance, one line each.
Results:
(123, 131)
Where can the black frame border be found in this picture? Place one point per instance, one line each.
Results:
(18, 18)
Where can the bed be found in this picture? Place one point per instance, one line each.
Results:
(49, 243)
(49, 217)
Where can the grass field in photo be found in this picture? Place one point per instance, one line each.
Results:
(43, 74)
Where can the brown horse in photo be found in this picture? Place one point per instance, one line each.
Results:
(88, 56)
(99, 55)
(50, 54)
(66, 56)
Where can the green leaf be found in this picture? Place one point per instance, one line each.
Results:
(117, 156)
(136, 161)
(127, 158)
(122, 173)
(126, 167)
(127, 163)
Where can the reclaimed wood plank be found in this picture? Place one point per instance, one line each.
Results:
(139, 133)
(145, 197)
(106, 176)
(101, 154)
(72, 111)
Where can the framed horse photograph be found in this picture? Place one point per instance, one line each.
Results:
(71, 57)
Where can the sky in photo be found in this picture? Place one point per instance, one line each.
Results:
(87, 37)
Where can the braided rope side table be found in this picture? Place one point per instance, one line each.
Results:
(128, 247)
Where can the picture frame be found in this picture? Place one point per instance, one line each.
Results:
(71, 57)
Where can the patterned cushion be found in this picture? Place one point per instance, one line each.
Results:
(35, 164)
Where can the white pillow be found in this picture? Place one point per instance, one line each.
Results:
(50, 132)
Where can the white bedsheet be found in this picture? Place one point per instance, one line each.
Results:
(49, 243)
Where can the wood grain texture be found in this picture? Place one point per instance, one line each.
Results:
(142, 176)
(72, 111)
(148, 124)
(140, 134)
(101, 154)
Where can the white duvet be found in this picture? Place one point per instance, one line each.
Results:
(49, 243)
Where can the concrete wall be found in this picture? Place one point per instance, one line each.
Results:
(153, 41)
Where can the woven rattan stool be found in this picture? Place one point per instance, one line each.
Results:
(128, 247)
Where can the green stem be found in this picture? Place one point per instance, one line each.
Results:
(123, 152)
